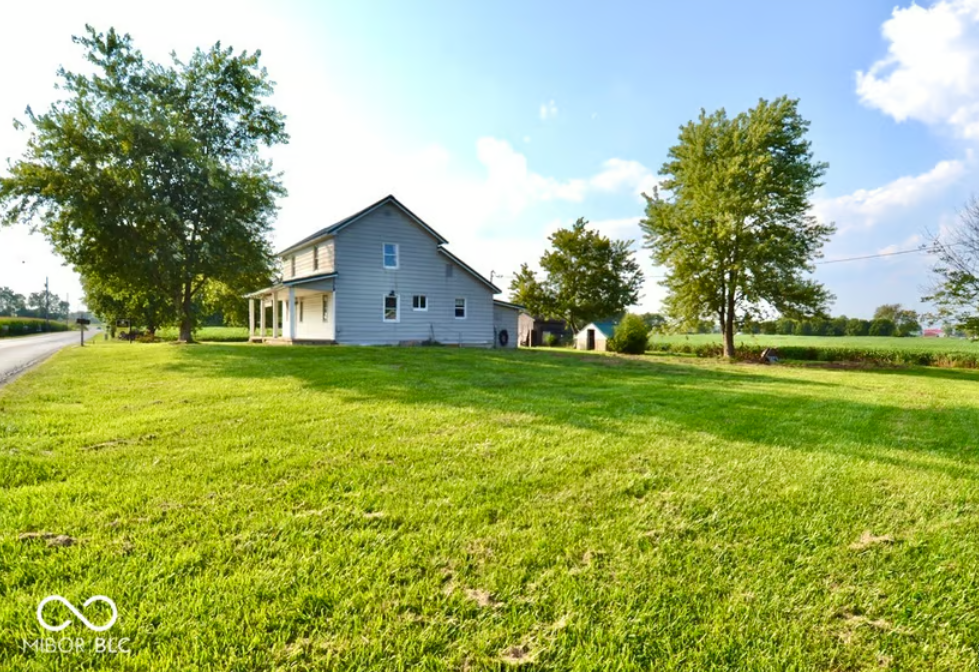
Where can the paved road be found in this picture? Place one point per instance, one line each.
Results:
(18, 353)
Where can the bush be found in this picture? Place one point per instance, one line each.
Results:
(550, 339)
(631, 336)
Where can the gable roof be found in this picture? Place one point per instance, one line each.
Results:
(607, 328)
(507, 304)
(465, 267)
(343, 223)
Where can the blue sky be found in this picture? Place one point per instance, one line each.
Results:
(499, 122)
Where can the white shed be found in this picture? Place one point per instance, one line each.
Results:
(594, 336)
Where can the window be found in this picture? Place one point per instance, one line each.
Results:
(390, 255)
(391, 308)
(292, 266)
(300, 310)
(326, 308)
(316, 257)
(448, 270)
(419, 302)
(460, 309)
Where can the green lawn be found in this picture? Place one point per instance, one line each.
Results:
(301, 508)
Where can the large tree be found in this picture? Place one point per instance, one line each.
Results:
(147, 178)
(11, 302)
(587, 277)
(905, 320)
(735, 232)
(956, 291)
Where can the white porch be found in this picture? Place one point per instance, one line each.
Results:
(301, 310)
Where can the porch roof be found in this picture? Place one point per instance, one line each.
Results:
(283, 285)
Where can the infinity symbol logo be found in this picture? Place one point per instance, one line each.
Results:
(78, 614)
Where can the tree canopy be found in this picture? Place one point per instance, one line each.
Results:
(587, 277)
(735, 232)
(956, 291)
(905, 320)
(147, 178)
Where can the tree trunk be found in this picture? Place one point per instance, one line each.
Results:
(186, 319)
(729, 325)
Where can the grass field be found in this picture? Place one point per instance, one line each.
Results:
(276, 508)
(868, 342)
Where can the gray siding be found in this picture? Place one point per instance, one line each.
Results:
(362, 283)
(506, 318)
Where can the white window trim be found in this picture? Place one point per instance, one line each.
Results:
(301, 309)
(465, 308)
(420, 310)
(292, 266)
(316, 257)
(397, 257)
(397, 309)
(325, 308)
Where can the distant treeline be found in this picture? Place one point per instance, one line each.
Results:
(836, 326)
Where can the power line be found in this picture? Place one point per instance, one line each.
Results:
(920, 249)
(917, 250)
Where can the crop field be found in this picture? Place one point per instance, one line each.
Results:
(209, 334)
(912, 344)
(26, 326)
(274, 508)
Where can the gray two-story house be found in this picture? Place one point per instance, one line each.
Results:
(380, 276)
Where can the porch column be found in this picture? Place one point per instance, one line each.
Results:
(275, 314)
(261, 317)
(251, 318)
(292, 312)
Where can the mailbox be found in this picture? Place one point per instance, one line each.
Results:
(83, 320)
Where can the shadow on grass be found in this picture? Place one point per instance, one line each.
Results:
(612, 395)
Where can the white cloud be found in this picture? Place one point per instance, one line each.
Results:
(931, 71)
(548, 110)
(866, 207)
(509, 180)
(909, 243)
(621, 174)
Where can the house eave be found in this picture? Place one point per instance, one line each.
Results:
(469, 269)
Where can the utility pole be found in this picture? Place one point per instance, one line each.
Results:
(47, 295)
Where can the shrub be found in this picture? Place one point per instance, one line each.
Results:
(631, 336)
(550, 339)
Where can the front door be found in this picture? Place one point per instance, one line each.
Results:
(590, 344)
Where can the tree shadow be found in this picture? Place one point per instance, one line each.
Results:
(608, 395)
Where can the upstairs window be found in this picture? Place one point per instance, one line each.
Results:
(391, 308)
(316, 257)
(460, 309)
(326, 308)
(292, 266)
(419, 302)
(390, 255)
